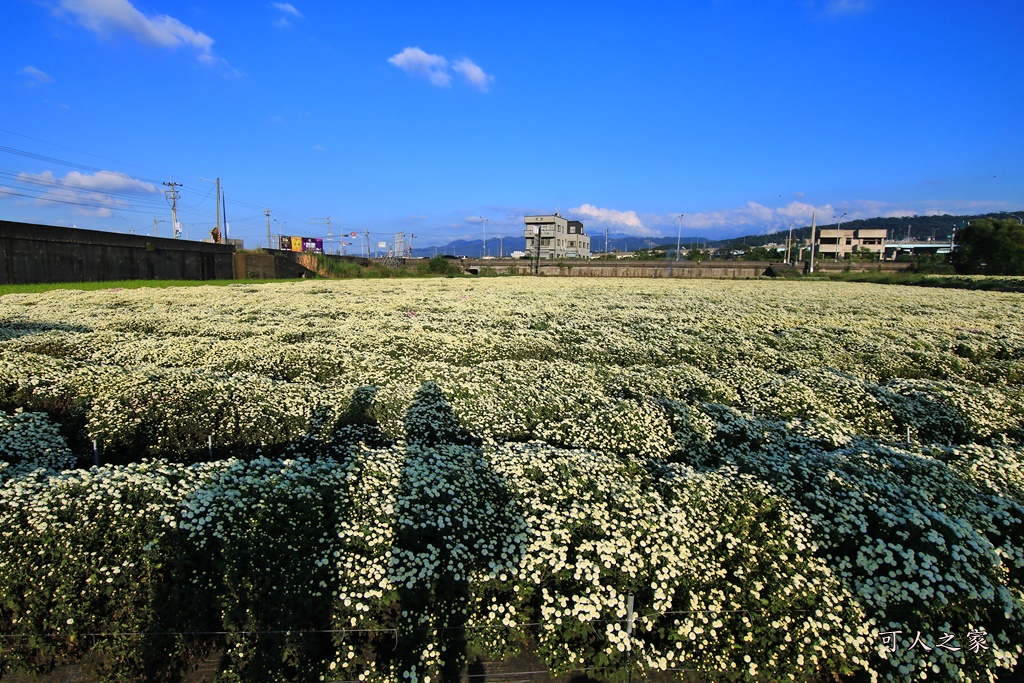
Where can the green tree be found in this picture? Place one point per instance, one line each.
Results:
(762, 254)
(698, 255)
(439, 265)
(990, 246)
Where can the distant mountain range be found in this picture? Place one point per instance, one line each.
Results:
(616, 242)
(917, 228)
(913, 227)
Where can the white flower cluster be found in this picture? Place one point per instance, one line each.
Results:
(30, 441)
(775, 477)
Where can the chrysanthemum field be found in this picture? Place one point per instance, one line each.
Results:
(376, 480)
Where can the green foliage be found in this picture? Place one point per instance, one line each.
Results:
(439, 265)
(990, 247)
(698, 255)
(762, 254)
(342, 269)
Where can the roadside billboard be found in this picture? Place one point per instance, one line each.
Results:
(313, 244)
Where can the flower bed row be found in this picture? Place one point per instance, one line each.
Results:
(785, 559)
(340, 481)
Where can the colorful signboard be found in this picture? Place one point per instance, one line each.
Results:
(313, 244)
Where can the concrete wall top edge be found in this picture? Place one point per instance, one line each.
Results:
(53, 233)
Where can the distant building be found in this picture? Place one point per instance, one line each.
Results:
(848, 241)
(559, 238)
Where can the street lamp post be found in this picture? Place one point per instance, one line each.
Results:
(838, 224)
(280, 232)
(217, 207)
(679, 234)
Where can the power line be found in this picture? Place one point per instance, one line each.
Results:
(172, 195)
(72, 149)
(64, 201)
(23, 179)
(70, 164)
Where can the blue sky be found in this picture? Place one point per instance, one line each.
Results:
(427, 117)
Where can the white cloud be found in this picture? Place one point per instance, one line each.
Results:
(319, 148)
(754, 218)
(437, 69)
(37, 76)
(626, 221)
(750, 215)
(93, 189)
(109, 17)
(287, 8)
(800, 212)
(108, 181)
(473, 74)
(416, 62)
(844, 7)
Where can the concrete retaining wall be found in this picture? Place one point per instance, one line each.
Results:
(269, 266)
(626, 268)
(861, 266)
(32, 253)
(675, 269)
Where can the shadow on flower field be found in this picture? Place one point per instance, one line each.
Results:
(453, 516)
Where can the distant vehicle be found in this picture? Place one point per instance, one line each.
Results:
(449, 256)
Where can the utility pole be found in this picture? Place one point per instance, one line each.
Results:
(224, 213)
(679, 234)
(216, 207)
(280, 234)
(838, 224)
(172, 194)
(537, 237)
(814, 215)
(789, 241)
(330, 234)
(155, 221)
(266, 212)
(484, 221)
(367, 244)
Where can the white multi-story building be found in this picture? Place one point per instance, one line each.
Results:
(831, 240)
(559, 238)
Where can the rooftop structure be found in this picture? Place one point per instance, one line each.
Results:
(558, 237)
(832, 240)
